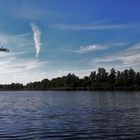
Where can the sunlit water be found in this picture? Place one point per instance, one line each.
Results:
(52, 115)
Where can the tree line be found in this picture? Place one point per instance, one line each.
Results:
(97, 80)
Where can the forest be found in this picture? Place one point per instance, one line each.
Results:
(97, 80)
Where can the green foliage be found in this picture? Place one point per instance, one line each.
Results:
(102, 80)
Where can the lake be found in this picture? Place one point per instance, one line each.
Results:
(61, 115)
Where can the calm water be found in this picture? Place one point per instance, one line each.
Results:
(66, 115)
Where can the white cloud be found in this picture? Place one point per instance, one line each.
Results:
(135, 47)
(21, 70)
(20, 42)
(35, 64)
(91, 26)
(37, 38)
(128, 58)
(32, 12)
(89, 48)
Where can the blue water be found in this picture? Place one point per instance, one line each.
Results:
(57, 115)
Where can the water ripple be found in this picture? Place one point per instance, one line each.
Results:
(69, 115)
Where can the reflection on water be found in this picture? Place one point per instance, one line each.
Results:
(69, 115)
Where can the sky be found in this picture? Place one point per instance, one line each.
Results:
(51, 38)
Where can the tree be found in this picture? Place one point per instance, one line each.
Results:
(45, 84)
(112, 76)
(137, 81)
(101, 75)
(92, 78)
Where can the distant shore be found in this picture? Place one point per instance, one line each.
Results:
(101, 80)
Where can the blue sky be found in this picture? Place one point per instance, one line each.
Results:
(50, 38)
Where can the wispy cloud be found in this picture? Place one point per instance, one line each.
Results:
(35, 64)
(135, 47)
(32, 12)
(129, 57)
(88, 48)
(26, 69)
(91, 26)
(16, 40)
(37, 38)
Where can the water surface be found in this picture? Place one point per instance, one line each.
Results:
(57, 115)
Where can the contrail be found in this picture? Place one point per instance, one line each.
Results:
(37, 38)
